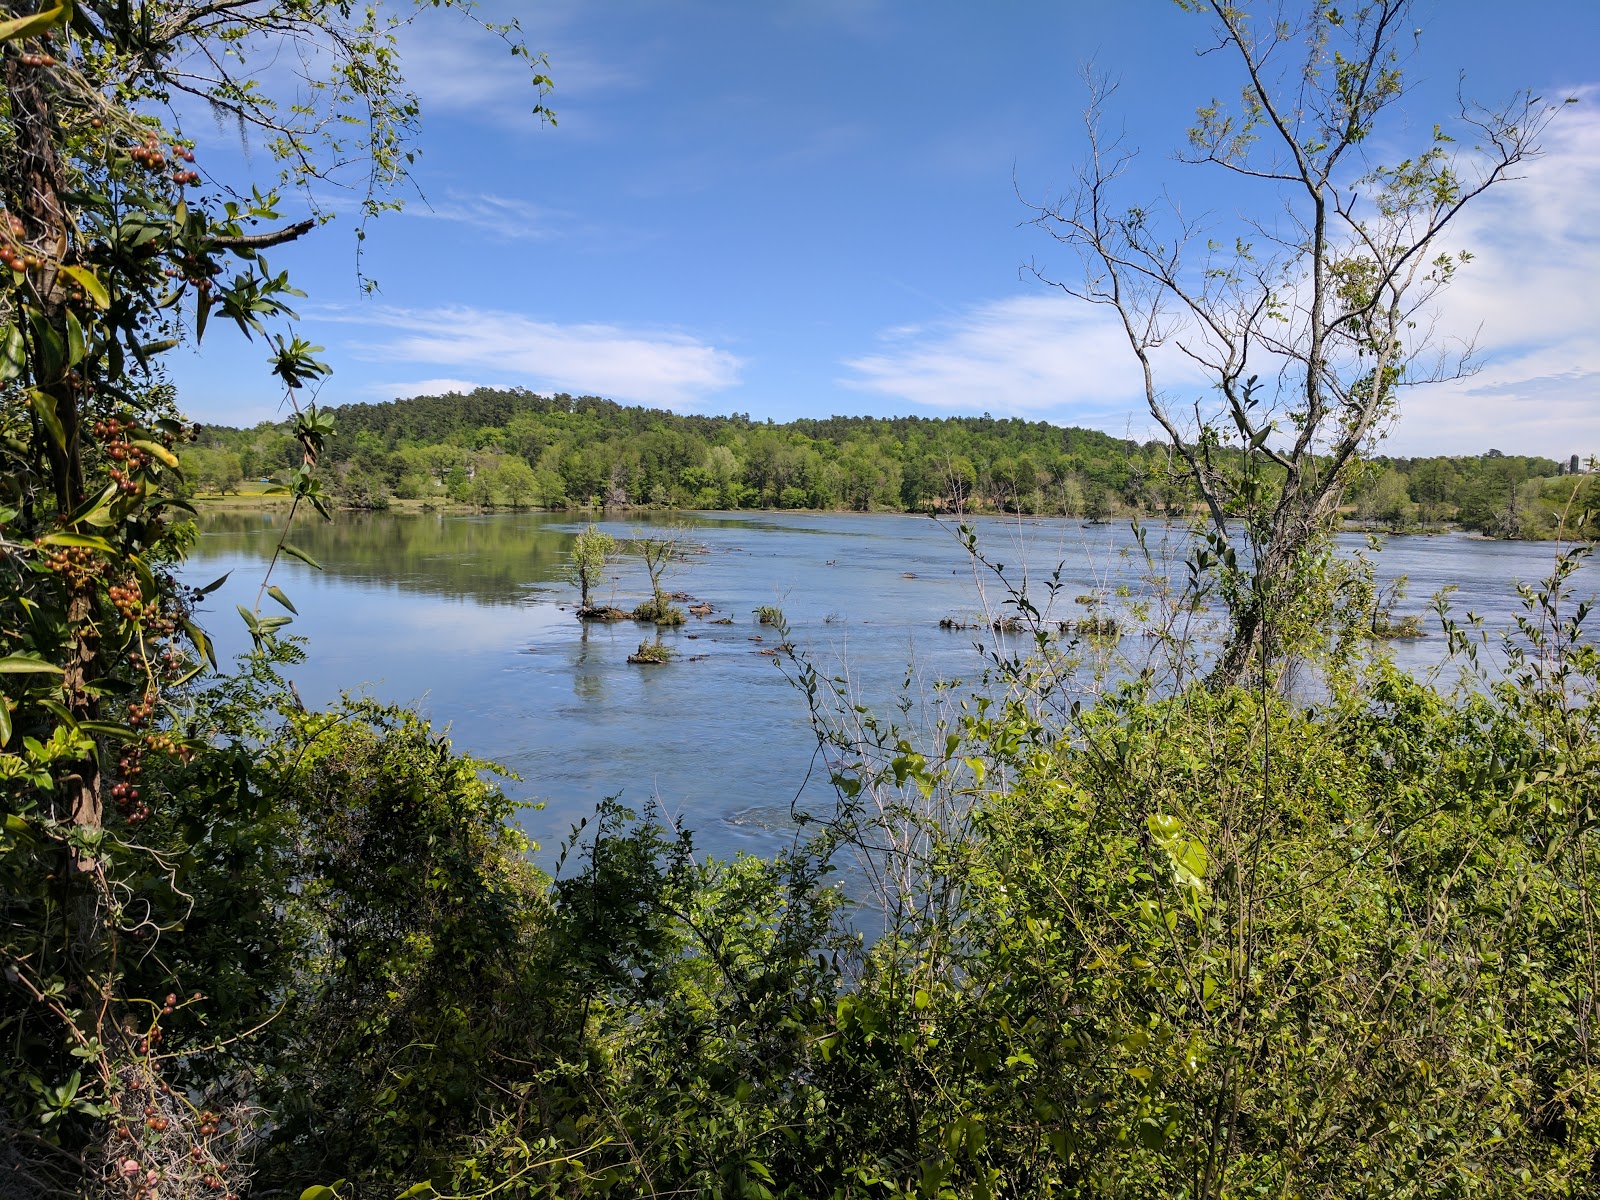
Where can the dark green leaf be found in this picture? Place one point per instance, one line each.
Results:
(296, 552)
(201, 642)
(45, 405)
(13, 354)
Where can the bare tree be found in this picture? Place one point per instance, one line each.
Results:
(1308, 317)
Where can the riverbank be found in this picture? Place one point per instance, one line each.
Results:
(248, 501)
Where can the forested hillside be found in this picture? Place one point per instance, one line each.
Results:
(515, 447)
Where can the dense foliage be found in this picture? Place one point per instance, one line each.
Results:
(1500, 495)
(515, 447)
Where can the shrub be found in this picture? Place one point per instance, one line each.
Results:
(661, 611)
(652, 652)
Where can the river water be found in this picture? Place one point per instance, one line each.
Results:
(467, 618)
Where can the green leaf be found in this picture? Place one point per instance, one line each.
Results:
(23, 27)
(91, 508)
(13, 354)
(122, 733)
(27, 664)
(276, 593)
(5, 721)
(296, 552)
(76, 345)
(45, 405)
(202, 642)
(1187, 854)
(87, 541)
(91, 285)
(60, 713)
(1164, 827)
(214, 584)
(46, 346)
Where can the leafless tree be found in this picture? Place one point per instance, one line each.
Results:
(1308, 316)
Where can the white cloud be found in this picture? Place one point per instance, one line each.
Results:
(419, 387)
(1040, 355)
(458, 67)
(500, 215)
(1527, 301)
(663, 368)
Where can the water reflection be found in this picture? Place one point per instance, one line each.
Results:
(468, 617)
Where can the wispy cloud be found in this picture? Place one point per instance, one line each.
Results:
(459, 67)
(1039, 356)
(502, 216)
(656, 367)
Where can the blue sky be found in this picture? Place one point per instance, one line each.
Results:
(806, 207)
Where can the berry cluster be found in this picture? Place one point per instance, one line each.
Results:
(130, 459)
(111, 427)
(128, 600)
(182, 176)
(194, 269)
(139, 711)
(37, 60)
(148, 154)
(77, 564)
(130, 766)
(14, 251)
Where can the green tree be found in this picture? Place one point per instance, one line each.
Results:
(586, 567)
(658, 551)
(516, 480)
(1388, 499)
(484, 483)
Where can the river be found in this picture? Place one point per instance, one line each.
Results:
(467, 618)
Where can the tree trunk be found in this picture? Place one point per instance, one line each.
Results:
(1300, 517)
(34, 185)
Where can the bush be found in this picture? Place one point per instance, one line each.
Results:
(652, 652)
(420, 967)
(1183, 922)
(661, 611)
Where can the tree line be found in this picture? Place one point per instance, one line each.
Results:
(515, 447)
